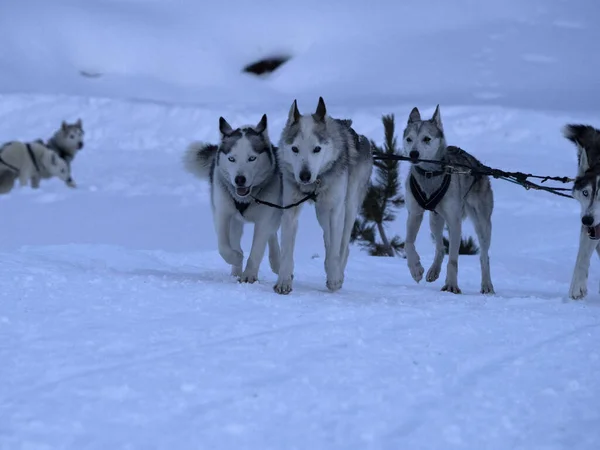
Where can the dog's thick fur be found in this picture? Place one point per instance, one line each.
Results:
(322, 155)
(586, 190)
(67, 141)
(16, 163)
(467, 195)
(242, 167)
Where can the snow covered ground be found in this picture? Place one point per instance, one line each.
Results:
(119, 325)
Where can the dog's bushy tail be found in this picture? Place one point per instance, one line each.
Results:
(199, 158)
(585, 136)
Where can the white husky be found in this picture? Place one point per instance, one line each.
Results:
(242, 170)
(324, 157)
(28, 162)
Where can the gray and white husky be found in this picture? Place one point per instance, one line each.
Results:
(323, 156)
(586, 190)
(27, 162)
(242, 168)
(448, 197)
(67, 141)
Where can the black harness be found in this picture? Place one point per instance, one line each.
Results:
(431, 202)
(241, 207)
(16, 169)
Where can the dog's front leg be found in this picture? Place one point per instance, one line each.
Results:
(236, 229)
(413, 223)
(35, 181)
(262, 231)
(289, 229)
(222, 224)
(331, 219)
(579, 280)
(454, 238)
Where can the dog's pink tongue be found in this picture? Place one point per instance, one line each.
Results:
(594, 232)
(242, 191)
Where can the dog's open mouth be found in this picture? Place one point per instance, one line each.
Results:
(242, 191)
(594, 232)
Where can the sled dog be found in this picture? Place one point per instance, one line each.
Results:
(450, 197)
(28, 162)
(586, 190)
(242, 168)
(325, 158)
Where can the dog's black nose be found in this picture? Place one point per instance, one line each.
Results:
(413, 154)
(240, 180)
(304, 176)
(587, 221)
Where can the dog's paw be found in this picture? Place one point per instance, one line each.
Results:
(416, 271)
(451, 287)
(334, 284)
(236, 271)
(284, 286)
(232, 257)
(487, 288)
(248, 277)
(433, 273)
(71, 183)
(578, 291)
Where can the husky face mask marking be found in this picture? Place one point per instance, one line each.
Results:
(306, 150)
(240, 152)
(70, 135)
(423, 138)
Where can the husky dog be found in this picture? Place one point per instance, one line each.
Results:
(586, 190)
(448, 197)
(242, 170)
(27, 162)
(323, 158)
(67, 141)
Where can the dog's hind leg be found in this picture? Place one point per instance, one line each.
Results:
(454, 238)
(413, 223)
(436, 225)
(236, 229)
(274, 253)
(579, 280)
(482, 221)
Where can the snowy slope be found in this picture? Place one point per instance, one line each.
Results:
(119, 325)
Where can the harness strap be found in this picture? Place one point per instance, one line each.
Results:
(430, 173)
(32, 156)
(312, 196)
(429, 203)
(10, 166)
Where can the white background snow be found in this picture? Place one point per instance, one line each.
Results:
(120, 327)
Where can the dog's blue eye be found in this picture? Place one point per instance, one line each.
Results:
(409, 140)
(295, 149)
(585, 193)
(231, 158)
(426, 139)
(317, 149)
(252, 158)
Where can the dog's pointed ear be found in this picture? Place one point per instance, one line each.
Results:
(583, 161)
(64, 125)
(262, 125)
(224, 127)
(79, 123)
(294, 114)
(53, 160)
(437, 118)
(321, 111)
(414, 116)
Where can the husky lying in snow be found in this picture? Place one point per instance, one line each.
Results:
(586, 190)
(448, 197)
(323, 156)
(67, 141)
(28, 162)
(243, 167)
